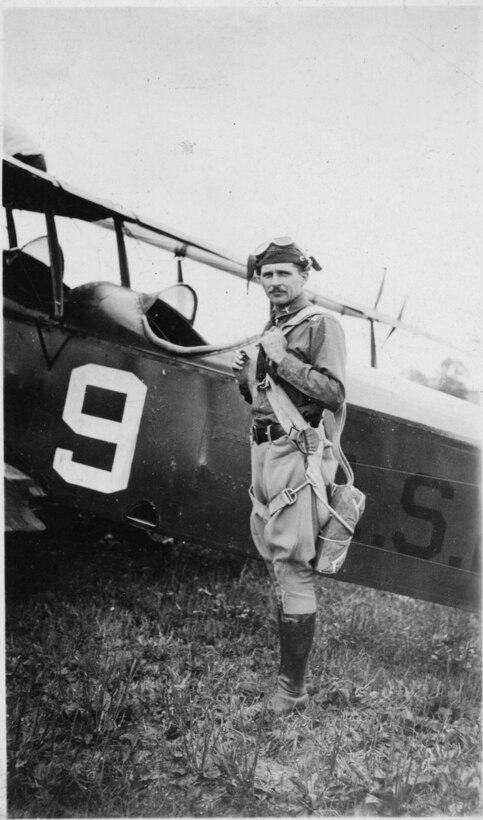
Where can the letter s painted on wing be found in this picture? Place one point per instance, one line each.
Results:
(435, 517)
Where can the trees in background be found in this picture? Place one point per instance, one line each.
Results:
(451, 378)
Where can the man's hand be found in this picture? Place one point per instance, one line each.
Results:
(240, 361)
(274, 344)
(239, 367)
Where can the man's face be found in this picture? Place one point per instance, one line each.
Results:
(282, 282)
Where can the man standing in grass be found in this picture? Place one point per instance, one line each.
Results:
(303, 350)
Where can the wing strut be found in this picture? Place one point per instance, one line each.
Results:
(371, 322)
(180, 253)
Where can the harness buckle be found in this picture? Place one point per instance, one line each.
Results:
(289, 495)
(264, 384)
(307, 440)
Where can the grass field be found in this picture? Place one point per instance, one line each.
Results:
(137, 679)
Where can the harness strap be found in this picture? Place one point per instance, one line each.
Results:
(331, 510)
(290, 418)
(258, 507)
(294, 424)
(288, 496)
(303, 314)
(288, 415)
(332, 424)
(285, 498)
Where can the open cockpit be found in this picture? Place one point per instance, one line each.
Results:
(169, 314)
(83, 263)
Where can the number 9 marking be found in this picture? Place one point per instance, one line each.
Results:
(122, 433)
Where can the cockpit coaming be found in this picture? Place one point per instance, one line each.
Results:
(35, 273)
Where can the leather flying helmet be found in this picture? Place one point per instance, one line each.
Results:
(282, 249)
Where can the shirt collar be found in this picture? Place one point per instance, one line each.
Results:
(280, 313)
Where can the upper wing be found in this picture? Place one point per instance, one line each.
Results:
(30, 189)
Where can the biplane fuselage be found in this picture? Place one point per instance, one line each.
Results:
(116, 421)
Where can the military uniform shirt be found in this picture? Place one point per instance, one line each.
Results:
(312, 372)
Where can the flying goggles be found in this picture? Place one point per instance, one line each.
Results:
(281, 249)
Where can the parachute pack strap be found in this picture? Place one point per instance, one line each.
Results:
(289, 417)
(334, 425)
(284, 408)
(286, 498)
(258, 507)
(331, 428)
(321, 496)
(301, 316)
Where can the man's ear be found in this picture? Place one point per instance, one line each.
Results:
(304, 274)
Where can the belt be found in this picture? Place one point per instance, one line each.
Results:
(268, 432)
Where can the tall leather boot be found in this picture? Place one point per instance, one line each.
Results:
(296, 637)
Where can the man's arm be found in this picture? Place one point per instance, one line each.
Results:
(323, 378)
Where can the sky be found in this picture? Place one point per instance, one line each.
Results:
(355, 129)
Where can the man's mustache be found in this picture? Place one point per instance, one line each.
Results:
(277, 290)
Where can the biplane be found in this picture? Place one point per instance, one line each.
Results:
(117, 407)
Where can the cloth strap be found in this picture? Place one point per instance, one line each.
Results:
(332, 424)
(289, 417)
(295, 425)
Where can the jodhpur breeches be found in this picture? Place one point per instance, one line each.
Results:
(286, 538)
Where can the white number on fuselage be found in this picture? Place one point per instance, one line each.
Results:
(122, 433)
